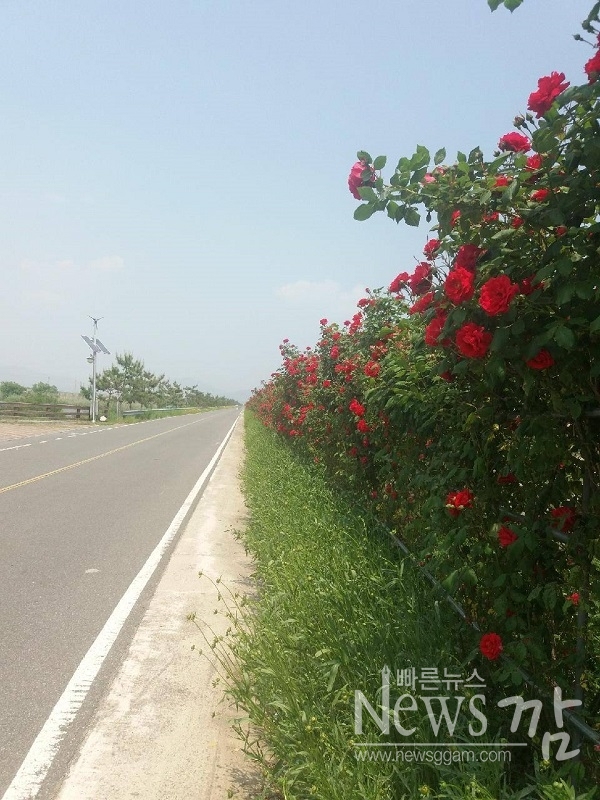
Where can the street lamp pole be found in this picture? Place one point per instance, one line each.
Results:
(97, 347)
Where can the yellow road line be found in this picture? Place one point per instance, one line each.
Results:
(93, 458)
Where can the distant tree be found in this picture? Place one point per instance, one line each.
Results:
(10, 389)
(42, 393)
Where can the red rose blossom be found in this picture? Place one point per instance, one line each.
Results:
(564, 518)
(574, 598)
(434, 330)
(490, 646)
(496, 295)
(540, 195)
(526, 286)
(420, 281)
(542, 360)
(502, 181)
(506, 536)
(473, 340)
(516, 222)
(430, 248)
(372, 369)
(356, 408)
(467, 256)
(549, 87)
(422, 304)
(514, 142)
(508, 478)
(459, 285)
(454, 217)
(363, 426)
(355, 179)
(334, 352)
(534, 162)
(398, 282)
(458, 501)
(592, 68)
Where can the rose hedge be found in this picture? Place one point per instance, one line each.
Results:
(461, 401)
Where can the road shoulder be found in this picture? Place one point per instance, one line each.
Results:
(163, 730)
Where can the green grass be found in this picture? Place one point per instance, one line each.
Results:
(335, 603)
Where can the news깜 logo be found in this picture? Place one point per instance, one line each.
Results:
(443, 711)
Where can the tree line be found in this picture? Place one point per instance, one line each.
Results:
(129, 382)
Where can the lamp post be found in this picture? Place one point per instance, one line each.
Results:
(97, 347)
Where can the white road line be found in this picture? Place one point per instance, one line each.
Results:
(58, 438)
(44, 442)
(34, 769)
(15, 447)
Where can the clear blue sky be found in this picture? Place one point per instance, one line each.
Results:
(179, 167)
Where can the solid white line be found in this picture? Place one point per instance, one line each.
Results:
(32, 772)
(15, 447)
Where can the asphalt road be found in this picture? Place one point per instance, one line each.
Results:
(79, 515)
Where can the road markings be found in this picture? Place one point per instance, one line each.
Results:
(34, 769)
(15, 447)
(91, 571)
(93, 458)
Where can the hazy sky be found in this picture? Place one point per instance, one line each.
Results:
(179, 167)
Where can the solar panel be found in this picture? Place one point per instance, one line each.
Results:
(95, 348)
(102, 348)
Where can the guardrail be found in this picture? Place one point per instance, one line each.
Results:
(43, 411)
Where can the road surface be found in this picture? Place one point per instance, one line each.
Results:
(80, 513)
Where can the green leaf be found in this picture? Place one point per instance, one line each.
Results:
(368, 193)
(364, 211)
(595, 325)
(411, 217)
(493, 4)
(439, 156)
(380, 162)
(512, 4)
(564, 337)
(362, 155)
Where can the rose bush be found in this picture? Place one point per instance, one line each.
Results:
(477, 382)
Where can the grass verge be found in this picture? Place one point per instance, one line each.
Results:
(335, 604)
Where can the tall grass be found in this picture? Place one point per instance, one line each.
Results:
(335, 603)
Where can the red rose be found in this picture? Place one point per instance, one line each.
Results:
(574, 598)
(473, 340)
(363, 426)
(467, 256)
(564, 517)
(326, 384)
(526, 286)
(517, 222)
(356, 179)
(356, 408)
(458, 501)
(447, 376)
(420, 281)
(540, 195)
(434, 330)
(334, 352)
(542, 360)
(454, 217)
(501, 181)
(549, 87)
(496, 295)
(459, 285)
(372, 369)
(430, 248)
(398, 282)
(514, 143)
(561, 230)
(493, 216)
(534, 162)
(592, 68)
(490, 646)
(508, 478)
(422, 304)
(506, 537)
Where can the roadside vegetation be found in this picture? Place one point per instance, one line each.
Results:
(336, 603)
